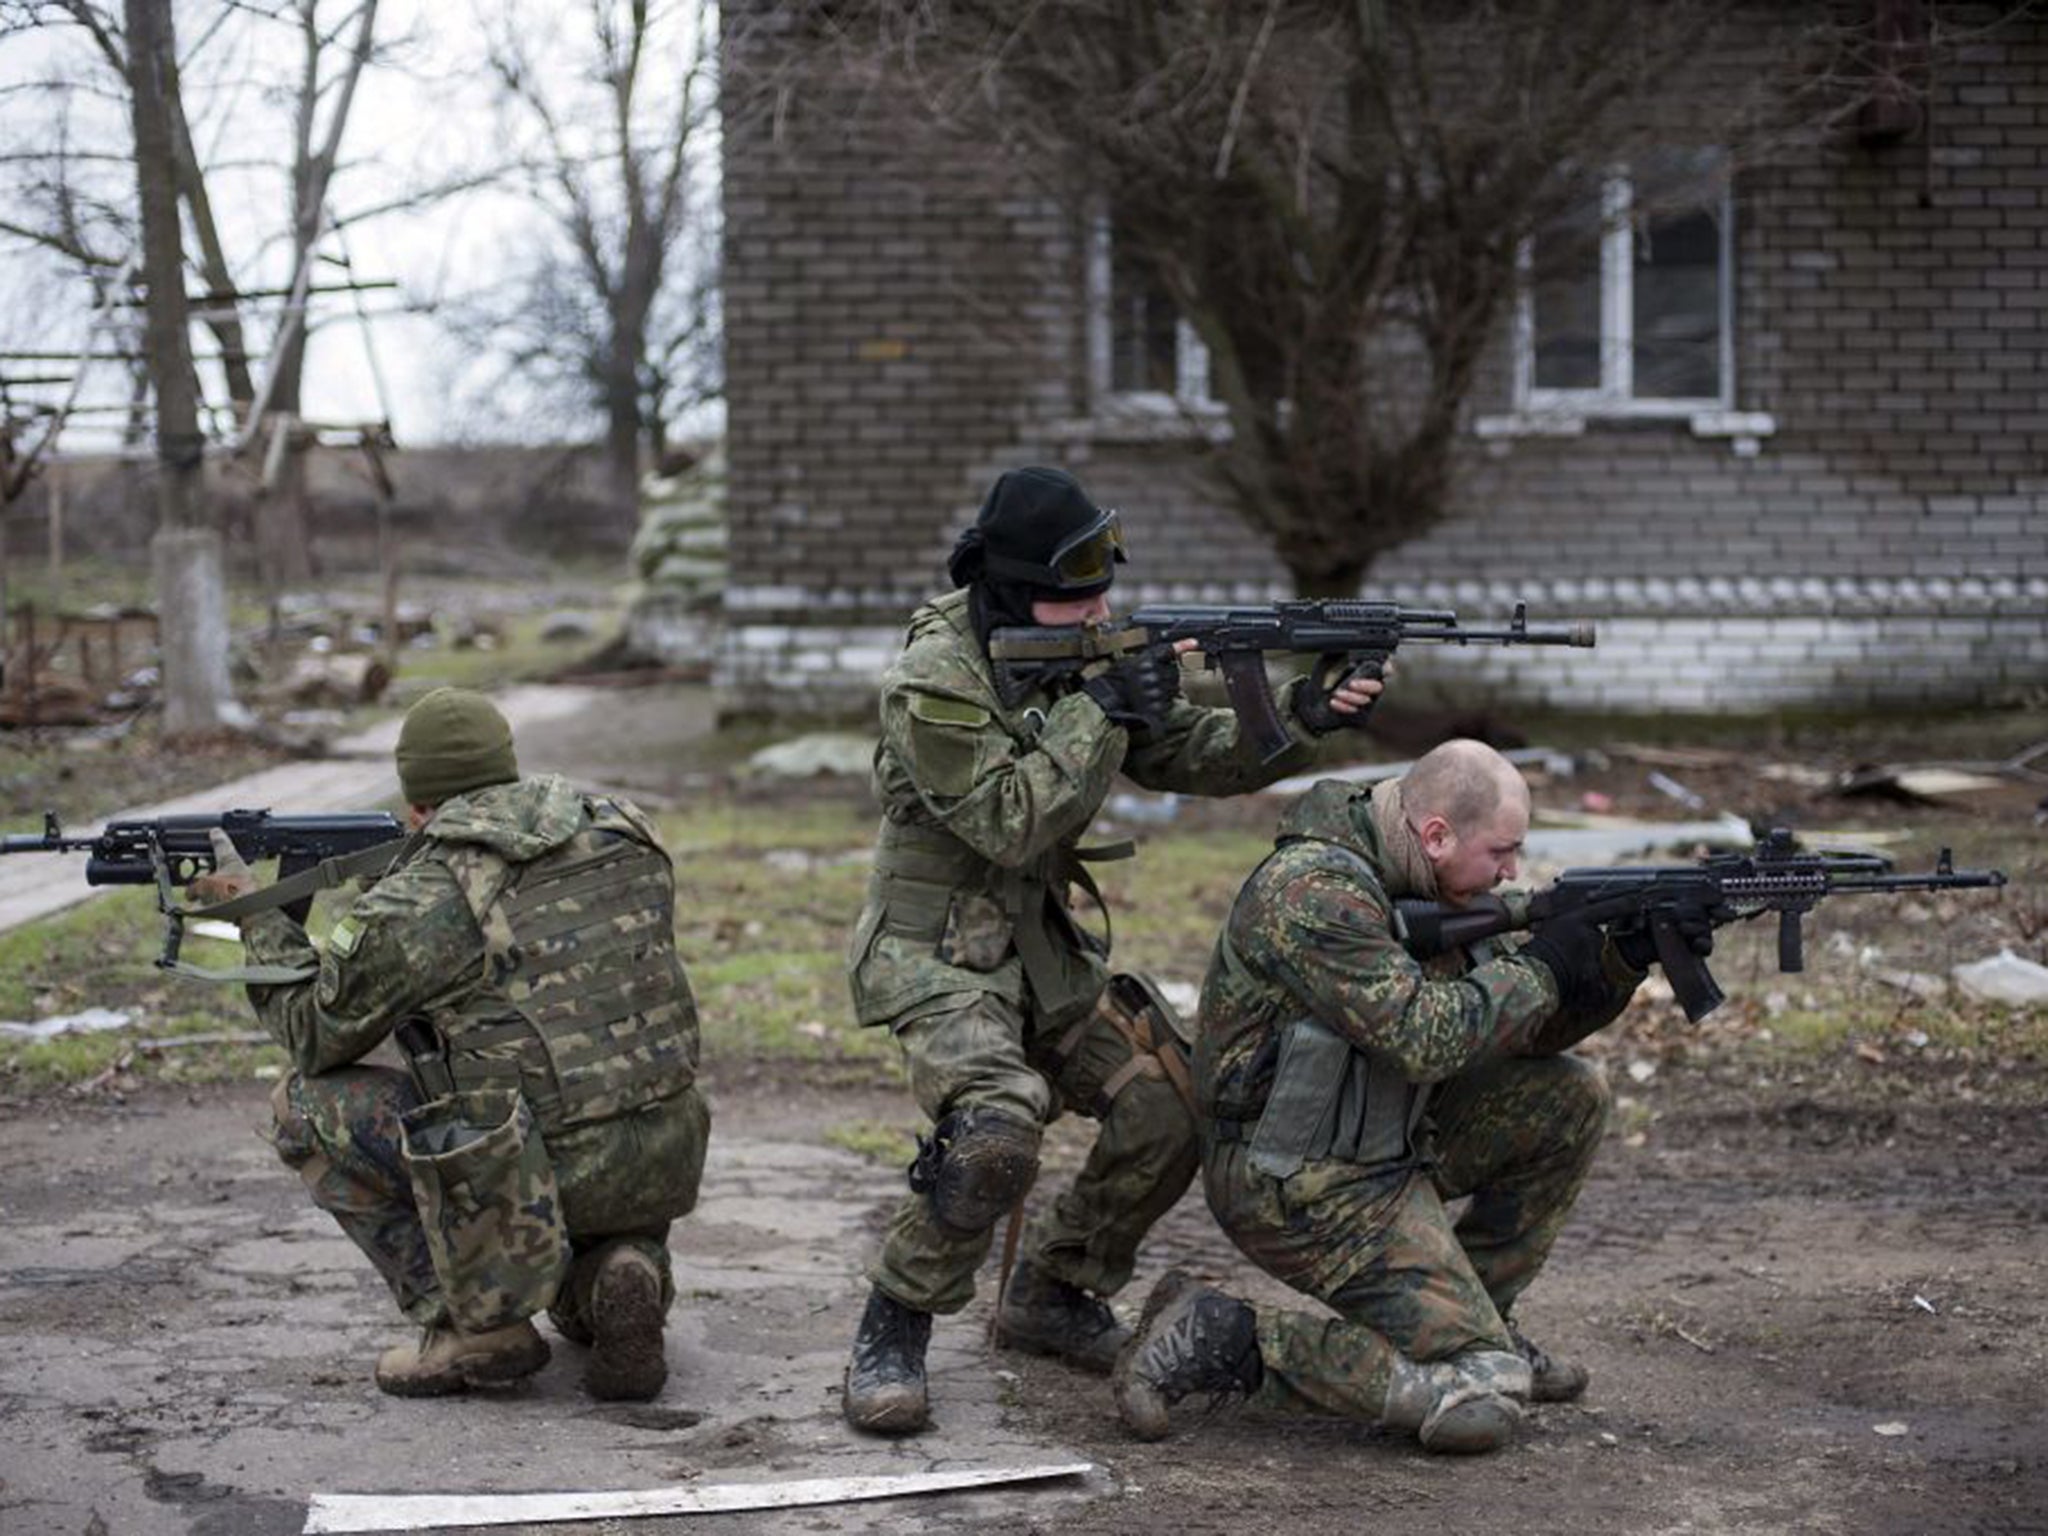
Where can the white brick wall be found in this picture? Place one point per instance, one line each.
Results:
(1672, 646)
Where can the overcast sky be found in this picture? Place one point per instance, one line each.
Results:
(426, 117)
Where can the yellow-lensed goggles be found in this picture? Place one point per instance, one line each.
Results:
(1087, 559)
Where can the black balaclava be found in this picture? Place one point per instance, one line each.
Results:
(1028, 516)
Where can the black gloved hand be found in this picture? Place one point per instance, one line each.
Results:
(1139, 688)
(1312, 694)
(1569, 947)
(1637, 944)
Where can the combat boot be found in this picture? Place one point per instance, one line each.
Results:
(1460, 1406)
(1556, 1381)
(1045, 1316)
(447, 1360)
(626, 1358)
(885, 1392)
(1190, 1339)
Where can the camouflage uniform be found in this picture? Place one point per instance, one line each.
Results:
(530, 930)
(1453, 1083)
(967, 950)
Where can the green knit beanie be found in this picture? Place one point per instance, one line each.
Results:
(453, 741)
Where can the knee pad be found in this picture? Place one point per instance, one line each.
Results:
(975, 1165)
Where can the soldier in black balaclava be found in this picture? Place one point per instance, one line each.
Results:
(969, 951)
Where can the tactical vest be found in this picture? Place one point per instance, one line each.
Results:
(584, 1007)
(927, 881)
(1331, 1099)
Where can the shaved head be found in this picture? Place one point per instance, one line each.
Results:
(1465, 782)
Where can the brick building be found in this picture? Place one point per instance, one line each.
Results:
(1830, 489)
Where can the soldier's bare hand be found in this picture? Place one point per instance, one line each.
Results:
(230, 876)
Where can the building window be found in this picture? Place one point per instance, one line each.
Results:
(1627, 309)
(1142, 356)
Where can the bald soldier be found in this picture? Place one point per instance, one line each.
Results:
(1348, 1092)
(520, 948)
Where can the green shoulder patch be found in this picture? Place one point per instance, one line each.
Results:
(934, 710)
(346, 934)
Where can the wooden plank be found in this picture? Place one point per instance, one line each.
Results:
(351, 1512)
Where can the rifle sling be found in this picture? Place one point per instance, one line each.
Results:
(325, 875)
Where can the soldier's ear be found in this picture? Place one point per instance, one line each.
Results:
(1437, 836)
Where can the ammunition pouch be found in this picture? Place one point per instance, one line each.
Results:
(1330, 1100)
(489, 1206)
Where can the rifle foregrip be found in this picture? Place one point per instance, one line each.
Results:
(1791, 943)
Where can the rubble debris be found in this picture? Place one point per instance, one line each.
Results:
(1917, 786)
(832, 752)
(1799, 775)
(86, 1022)
(1677, 757)
(564, 625)
(1563, 837)
(336, 679)
(1541, 760)
(2004, 978)
(1915, 984)
(1671, 789)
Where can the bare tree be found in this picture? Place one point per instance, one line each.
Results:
(1335, 194)
(612, 150)
(69, 209)
(186, 554)
(325, 92)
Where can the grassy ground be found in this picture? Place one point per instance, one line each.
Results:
(769, 885)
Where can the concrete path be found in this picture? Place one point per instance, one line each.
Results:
(187, 1345)
(357, 776)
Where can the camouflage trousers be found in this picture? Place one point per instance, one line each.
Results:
(341, 1131)
(981, 1051)
(1379, 1247)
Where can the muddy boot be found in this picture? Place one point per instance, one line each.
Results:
(1191, 1339)
(626, 1359)
(885, 1392)
(1049, 1317)
(1556, 1381)
(447, 1360)
(1461, 1406)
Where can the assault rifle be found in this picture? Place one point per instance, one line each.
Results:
(1351, 639)
(173, 851)
(1727, 887)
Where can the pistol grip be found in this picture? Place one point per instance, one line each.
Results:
(1691, 982)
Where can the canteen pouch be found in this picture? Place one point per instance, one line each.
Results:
(488, 1203)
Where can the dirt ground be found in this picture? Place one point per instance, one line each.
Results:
(1809, 1303)
(1799, 1315)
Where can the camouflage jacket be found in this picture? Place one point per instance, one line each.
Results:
(1311, 935)
(489, 925)
(984, 805)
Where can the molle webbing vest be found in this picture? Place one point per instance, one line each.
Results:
(1329, 1099)
(584, 1007)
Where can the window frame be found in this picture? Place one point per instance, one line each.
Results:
(1615, 397)
(1190, 395)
